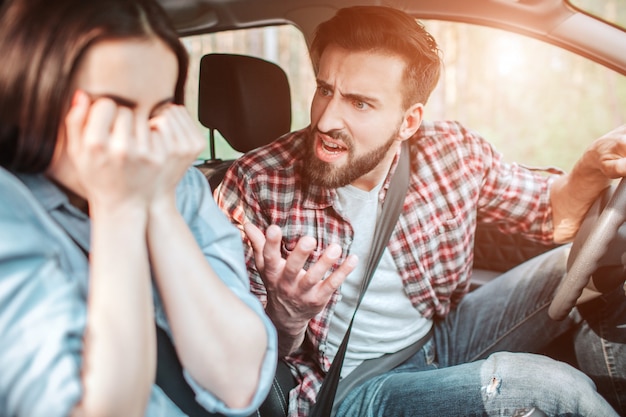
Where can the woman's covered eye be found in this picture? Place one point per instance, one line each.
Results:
(159, 110)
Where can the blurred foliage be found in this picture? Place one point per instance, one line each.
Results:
(538, 104)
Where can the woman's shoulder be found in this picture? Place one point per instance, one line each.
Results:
(18, 206)
(25, 224)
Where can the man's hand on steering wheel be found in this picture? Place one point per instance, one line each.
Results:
(604, 160)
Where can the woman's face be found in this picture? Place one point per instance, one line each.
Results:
(139, 74)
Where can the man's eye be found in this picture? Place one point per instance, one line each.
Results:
(361, 105)
(324, 91)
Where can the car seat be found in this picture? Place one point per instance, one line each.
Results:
(247, 100)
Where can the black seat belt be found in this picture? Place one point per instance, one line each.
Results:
(169, 377)
(391, 209)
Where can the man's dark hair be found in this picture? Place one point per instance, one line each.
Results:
(386, 30)
(41, 45)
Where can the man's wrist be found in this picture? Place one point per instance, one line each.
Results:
(289, 343)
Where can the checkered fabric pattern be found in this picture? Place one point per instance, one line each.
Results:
(457, 181)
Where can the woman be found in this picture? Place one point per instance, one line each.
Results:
(104, 230)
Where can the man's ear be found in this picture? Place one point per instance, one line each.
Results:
(411, 121)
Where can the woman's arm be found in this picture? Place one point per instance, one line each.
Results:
(120, 352)
(112, 155)
(220, 341)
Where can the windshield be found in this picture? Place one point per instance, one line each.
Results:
(612, 11)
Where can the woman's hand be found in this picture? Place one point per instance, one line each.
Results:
(115, 155)
(175, 134)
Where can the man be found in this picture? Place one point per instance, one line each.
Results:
(306, 204)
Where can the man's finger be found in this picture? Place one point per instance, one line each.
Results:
(334, 280)
(257, 241)
(272, 256)
(298, 257)
(323, 289)
(318, 271)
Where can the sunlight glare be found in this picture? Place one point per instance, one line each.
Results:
(509, 56)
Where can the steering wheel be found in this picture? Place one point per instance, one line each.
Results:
(600, 243)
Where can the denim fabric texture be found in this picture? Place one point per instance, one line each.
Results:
(44, 283)
(467, 368)
(600, 344)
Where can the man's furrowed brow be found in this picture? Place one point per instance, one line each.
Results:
(323, 84)
(350, 96)
(361, 97)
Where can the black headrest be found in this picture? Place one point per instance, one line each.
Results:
(246, 99)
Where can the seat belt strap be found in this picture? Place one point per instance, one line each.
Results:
(374, 367)
(392, 207)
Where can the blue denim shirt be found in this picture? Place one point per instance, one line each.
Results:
(43, 292)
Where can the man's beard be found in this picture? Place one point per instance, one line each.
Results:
(326, 175)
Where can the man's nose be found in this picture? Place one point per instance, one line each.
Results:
(330, 116)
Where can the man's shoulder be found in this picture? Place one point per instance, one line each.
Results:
(439, 128)
(446, 136)
(446, 147)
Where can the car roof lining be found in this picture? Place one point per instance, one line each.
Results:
(550, 21)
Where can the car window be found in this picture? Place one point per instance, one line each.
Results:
(613, 11)
(538, 104)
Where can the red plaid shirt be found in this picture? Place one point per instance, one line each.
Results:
(457, 181)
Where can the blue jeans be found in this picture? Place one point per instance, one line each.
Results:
(459, 373)
(600, 345)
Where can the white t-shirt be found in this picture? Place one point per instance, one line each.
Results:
(386, 321)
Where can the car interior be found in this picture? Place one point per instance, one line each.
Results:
(248, 100)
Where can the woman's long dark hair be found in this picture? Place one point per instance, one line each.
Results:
(41, 45)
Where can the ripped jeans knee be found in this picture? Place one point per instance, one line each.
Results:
(529, 380)
(500, 385)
